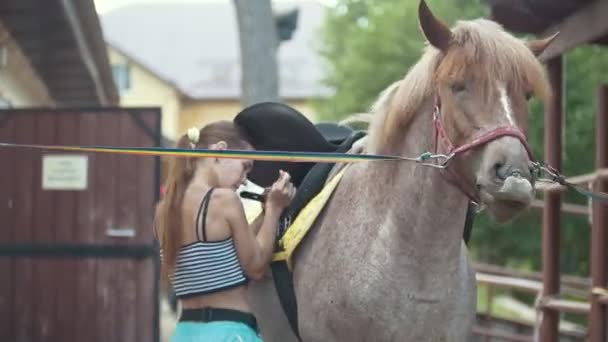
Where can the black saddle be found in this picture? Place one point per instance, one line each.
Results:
(274, 126)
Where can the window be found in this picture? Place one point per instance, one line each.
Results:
(122, 78)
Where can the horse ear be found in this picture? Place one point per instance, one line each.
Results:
(537, 46)
(436, 32)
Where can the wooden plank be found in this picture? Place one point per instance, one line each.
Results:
(599, 228)
(7, 221)
(17, 6)
(570, 285)
(573, 281)
(147, 298)
(45, 326)
(530, 286)
(566, 305)
(106, 185)
(569, 208)
(127, 218)
(65, 216)
(502, 335)
(587, 178)
(584, 26)
(24, 213)
(87, 310)
(551, 223)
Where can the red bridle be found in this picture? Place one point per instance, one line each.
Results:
(443, 143)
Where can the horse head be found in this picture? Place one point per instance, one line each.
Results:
(483, 78)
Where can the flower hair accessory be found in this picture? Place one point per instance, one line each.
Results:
(193, 136)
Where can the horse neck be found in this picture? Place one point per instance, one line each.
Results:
(423, 213)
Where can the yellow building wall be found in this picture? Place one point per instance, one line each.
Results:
(20, 84)
(146, 89)
(201, 112)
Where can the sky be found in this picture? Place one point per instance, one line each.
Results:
(104, 6)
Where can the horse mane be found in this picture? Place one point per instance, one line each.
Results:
(489, 50)
(397, 104)
(378, 106)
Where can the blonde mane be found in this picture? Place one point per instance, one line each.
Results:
(483, 48)
(397, 105)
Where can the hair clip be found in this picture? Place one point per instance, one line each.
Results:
(193, 136)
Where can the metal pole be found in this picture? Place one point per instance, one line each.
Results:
(597, 332)
(551, 212)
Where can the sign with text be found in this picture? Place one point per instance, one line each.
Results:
(64, 172)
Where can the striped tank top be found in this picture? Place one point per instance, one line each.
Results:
(204, 267)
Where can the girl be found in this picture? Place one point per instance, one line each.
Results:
(208, 251)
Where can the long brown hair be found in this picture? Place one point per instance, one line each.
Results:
(181, 170)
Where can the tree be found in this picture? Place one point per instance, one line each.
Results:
(258, 42)
(368, 44)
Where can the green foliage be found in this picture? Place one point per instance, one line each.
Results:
(368, 44)
(371, 43)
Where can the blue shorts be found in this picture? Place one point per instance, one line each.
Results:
(222, 331)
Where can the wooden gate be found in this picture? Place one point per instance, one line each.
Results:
(77, 253)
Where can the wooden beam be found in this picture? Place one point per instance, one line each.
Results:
(17, 5)
(551, 223)
(488, 332)
(84, 48)
(576, 282)
(589, 177)
(70, 83)
(599, 227)
(63, 71)
(523, 284)
(568, 208)
(530, 286)
(564, 305)
(584, 26)
(578, 180)
(75, 93)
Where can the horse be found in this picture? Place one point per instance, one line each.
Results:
(385, 260)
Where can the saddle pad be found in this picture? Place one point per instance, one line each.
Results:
(304, 220)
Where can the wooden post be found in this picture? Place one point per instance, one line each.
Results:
(551, 212)
(597, 319)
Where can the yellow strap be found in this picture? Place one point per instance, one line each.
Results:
(303, 222)
(305, 219)
(279, 256)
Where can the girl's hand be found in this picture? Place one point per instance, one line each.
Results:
(281, 192)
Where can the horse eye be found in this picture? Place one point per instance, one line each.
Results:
(458, 87)
(529, 95)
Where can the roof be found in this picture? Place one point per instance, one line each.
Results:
(195, 47)
(63, 41)
(539, 16)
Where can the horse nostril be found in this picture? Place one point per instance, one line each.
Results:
(533, 170)
(499, 170)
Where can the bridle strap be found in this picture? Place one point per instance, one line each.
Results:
(494, 134)
(442, 139)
